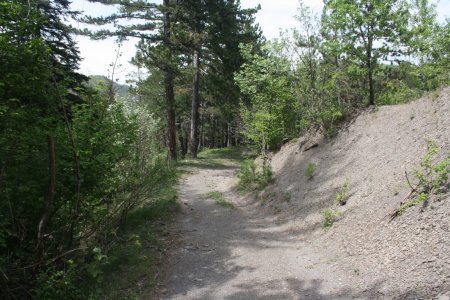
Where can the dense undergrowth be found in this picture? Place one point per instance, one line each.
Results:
(135, 264)
(107, 172)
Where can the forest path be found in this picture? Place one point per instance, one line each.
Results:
(242, 253)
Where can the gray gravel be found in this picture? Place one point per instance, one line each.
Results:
(408, 258)
(243, 253)
(273, 245)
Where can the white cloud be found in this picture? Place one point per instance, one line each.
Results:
(276, 15)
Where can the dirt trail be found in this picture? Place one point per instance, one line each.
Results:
(242, 253)
(276, 248)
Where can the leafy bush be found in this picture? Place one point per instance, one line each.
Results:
(107, 164)
(263, 129)
(397, 92)
(310, 170)
(269, 112)
(328, 118)
(431, 178)
(250, 178)
(55, 284)
(342, 195)
(433, 174)
(329, 217)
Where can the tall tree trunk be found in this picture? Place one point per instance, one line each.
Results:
(186, 141)
(236, 134)
(213, 132)
(181, 139)
(195, 104)
(371, 88)
(228, 135)
(171, 131)
(370, 67)
(224, 135)
(49, 201)
(202, 134)
(169, 93)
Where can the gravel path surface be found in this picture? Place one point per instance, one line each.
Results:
(241, 253)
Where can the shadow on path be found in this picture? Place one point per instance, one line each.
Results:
(240, 254)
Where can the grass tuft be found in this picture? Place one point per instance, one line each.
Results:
(342, 196)
(220, 199)
(310, 170)
(329, 217)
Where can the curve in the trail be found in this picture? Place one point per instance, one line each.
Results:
(241, 253)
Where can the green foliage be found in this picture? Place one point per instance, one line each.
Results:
(329, 216)
(359, 30)
(110, 175)
(310, 170)
(268, 110)
(397, 92)
(432, 177)
(433, 173)
(341, 197)
(317, 89)
(220, 199)
(419, 199)
(262, 129)
(231, 153)
(134, 261)
(359, 39)
(107, 164)
(247, 174)
(53, 285)
(250, 178)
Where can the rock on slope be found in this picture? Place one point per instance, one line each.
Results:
(407, 258)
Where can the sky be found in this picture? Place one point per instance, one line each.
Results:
(274, 16)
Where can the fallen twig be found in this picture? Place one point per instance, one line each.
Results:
(413, 190)
(409, 183)
(311, 147)
(54, 258)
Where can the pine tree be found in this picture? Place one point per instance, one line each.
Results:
(156, 47)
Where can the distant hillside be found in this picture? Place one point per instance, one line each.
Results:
(101, 82)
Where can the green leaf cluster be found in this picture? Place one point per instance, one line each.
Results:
(252, 178)
(432, 177)
(310, 170)
(342, 195)
(433, 173)
(268, 108)
(329, 216)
